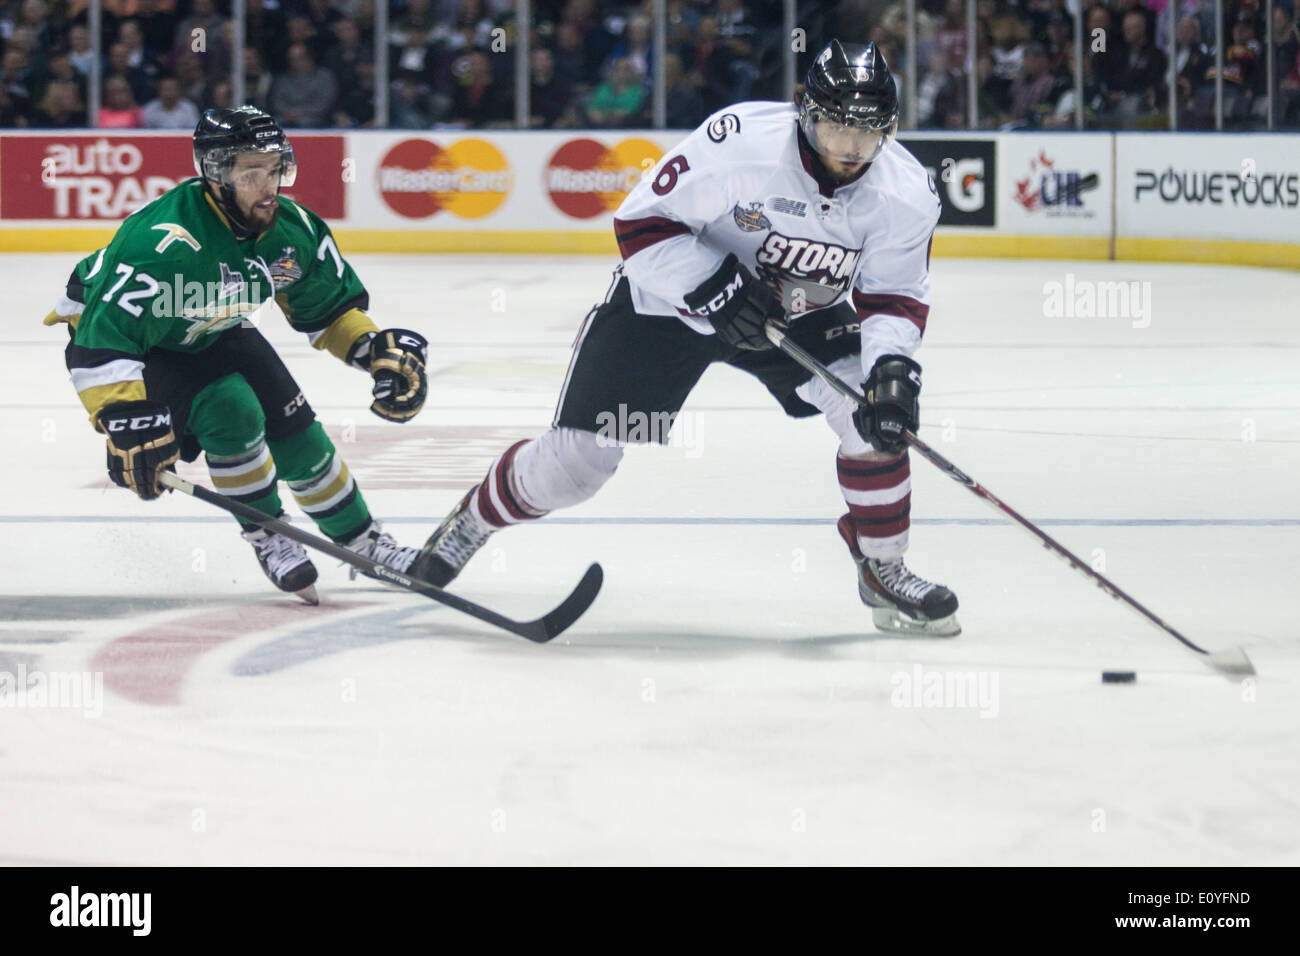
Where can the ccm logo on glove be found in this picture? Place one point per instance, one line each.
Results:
(138, 423)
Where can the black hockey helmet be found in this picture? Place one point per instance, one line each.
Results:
(222, 134)
(849, 85)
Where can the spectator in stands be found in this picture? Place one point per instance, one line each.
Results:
(36, 18)
(220, 97)
(157, 26)
(712, 66)
(200, 29)
(303, 31)
(683, 20)
(684, 106)
(950, 36)
(473, 27)
(119, 110)
(1103, 44)
(569, 59)
(322, 17)
(131, 37)
(189, 74)
(1287, 111)
(356, 106)
(548, 97)
(83, 57)
(939, 94)
(347, 52)
(169, 110)
(1009, 38)
(1058, 33)
(304, 96)
(1136, 87)
(119, 66)
(257, 79)
(1032, 89)
(635, 47)
(58, 68)
(412, 107)
(13, 79)
(13, 115)
(60, 107)
(268, 32)
(1193, 60)
(1240, 61)
(480, 100)
(618, 101)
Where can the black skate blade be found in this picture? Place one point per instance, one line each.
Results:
(555, 623)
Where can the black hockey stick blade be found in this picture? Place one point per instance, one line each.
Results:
(539, 631)
(1231, 663)
(571, 608)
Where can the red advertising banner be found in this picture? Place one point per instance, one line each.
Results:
(93, 177)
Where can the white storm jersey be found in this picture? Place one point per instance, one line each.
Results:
(743, 182)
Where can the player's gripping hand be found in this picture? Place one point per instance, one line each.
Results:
(397, 365)
(892, 390)
(140, 445)
(737, 304)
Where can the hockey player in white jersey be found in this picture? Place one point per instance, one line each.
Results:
(806, 214)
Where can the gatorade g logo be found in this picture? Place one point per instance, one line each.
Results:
(470, 178)
(586, 179)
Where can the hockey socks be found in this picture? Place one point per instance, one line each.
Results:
(321, 483)
(496, 502)
(878, 492)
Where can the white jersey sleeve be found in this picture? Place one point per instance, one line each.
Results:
(660, 225)
(891, 290)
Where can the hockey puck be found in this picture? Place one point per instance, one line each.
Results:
(1118, 677)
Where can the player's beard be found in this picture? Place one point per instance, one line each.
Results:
(259, 216)
(841, 171)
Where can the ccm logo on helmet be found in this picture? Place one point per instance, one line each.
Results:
(140, 423)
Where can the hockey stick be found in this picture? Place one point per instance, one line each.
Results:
(1232, 662)
(539, 631)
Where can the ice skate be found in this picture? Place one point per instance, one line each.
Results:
(449, 548)
(900, 601)
(380, 546)
(285, 562)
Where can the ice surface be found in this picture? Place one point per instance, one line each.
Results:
(726, 699)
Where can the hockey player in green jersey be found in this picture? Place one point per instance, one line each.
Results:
(168, 364)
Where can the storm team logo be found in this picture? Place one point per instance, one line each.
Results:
(808, 275)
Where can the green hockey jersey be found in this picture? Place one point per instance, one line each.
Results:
(175, 277)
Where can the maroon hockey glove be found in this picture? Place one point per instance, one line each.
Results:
(397, 366)
(140, 445)
(891, 409)
(737, 305)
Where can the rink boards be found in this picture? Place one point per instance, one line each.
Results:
(1231, 198)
